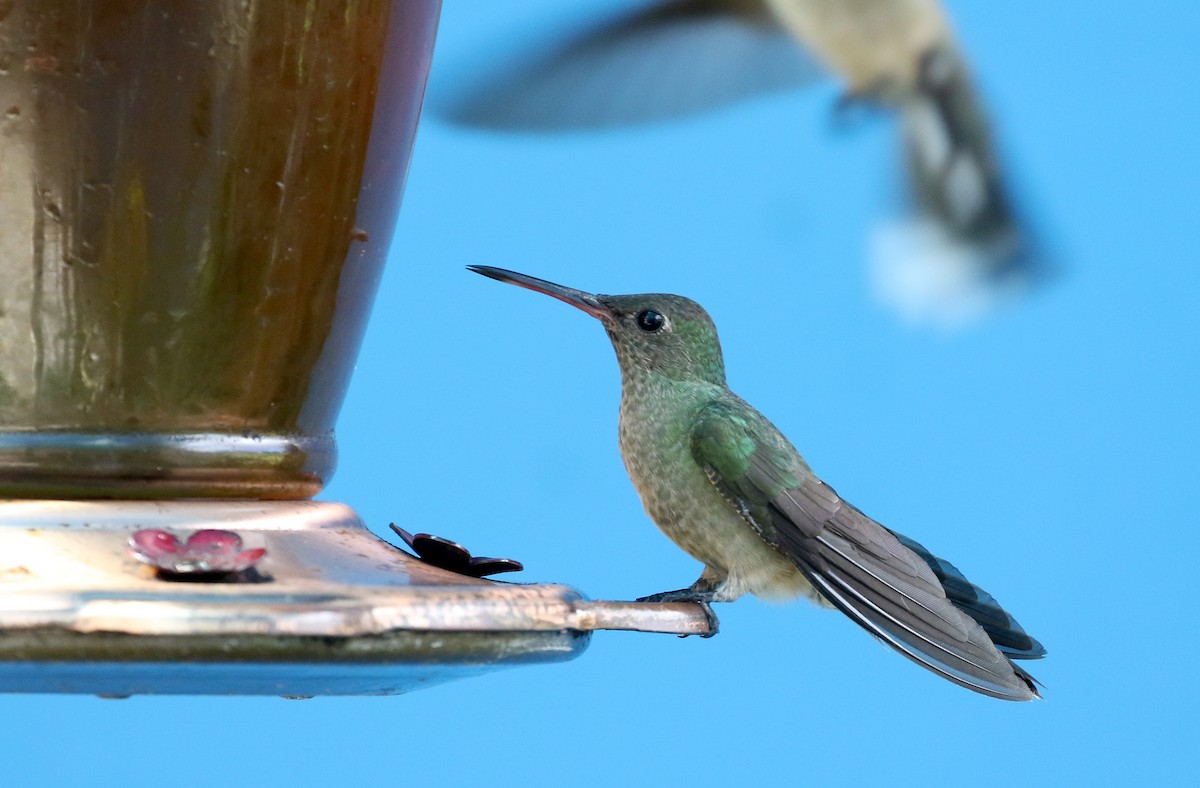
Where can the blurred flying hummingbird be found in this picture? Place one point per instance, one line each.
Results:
(729, 489)
(962, 243)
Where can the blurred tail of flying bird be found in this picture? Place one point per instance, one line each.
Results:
(963, 244)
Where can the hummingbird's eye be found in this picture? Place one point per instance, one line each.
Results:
(650, 321)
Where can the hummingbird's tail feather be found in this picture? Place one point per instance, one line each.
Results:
(920, 269)
(1000, 626)
(920, 624)
(1033, 683)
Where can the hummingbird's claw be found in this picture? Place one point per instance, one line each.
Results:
(859, 104)
(697, 597)
(714, 623)
(851, 110)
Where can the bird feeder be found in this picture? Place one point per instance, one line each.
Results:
(196, 201)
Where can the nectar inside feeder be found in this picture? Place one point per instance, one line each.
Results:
(172, 370)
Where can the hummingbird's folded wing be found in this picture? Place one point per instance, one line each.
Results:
(666, 61)
(858, 565)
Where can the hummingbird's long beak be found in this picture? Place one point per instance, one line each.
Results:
(576, 298)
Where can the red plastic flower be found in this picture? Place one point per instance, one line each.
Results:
(207, 552)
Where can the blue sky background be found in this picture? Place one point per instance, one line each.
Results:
(1048, 450)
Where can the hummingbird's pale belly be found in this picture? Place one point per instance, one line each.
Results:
(867, 41)
(693, 513)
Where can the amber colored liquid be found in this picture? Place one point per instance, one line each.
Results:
(196, 199)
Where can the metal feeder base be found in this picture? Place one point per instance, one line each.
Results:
(334, 610)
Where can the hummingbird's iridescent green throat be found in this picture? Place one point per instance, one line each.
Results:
(724, 484)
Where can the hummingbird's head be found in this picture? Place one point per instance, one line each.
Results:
(667, 335)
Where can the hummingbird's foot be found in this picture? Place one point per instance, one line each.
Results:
(860, 104)
(703, 598)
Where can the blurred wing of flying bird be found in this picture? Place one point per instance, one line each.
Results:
(959, 250)
(663, 62)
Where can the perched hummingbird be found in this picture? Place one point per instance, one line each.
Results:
(726, 486)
